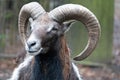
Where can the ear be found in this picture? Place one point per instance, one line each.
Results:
(30, 20)
(67, 25)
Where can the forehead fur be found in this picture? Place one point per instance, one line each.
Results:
(42, 24)
(46, 22)
(44, 19)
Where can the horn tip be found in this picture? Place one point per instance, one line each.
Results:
(77, 58)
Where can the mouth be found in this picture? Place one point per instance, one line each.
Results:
(34, 52)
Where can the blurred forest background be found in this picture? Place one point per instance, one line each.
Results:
(106, 54)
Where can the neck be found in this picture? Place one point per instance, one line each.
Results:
(55, 64)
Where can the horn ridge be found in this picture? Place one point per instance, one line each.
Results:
(32, 9)
(82, 14)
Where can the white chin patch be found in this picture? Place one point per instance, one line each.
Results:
(35, 53)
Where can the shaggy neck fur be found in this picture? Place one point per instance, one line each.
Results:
(54, 65)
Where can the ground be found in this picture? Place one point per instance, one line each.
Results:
(107, 72)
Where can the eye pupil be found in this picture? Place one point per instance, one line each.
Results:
(30, 28)
(55, 28)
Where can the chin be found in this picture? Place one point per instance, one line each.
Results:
(34, 53)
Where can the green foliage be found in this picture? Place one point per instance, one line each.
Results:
(2, 42)
(9, 15)
(45, 4)
(2, 36)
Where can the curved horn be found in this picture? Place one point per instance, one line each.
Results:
(33, 10)
(80, 13)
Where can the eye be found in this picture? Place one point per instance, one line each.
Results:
(31, 28)
(55, 28)
(52, 29)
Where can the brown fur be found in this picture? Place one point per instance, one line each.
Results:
(65, 58)
(20, 56)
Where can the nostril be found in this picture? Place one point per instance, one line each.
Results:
(31, 44)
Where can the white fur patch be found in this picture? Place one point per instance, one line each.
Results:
(36, 48)
(16, 71)
(76, 71)
(50, 28)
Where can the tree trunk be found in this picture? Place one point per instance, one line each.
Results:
(116, 36)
